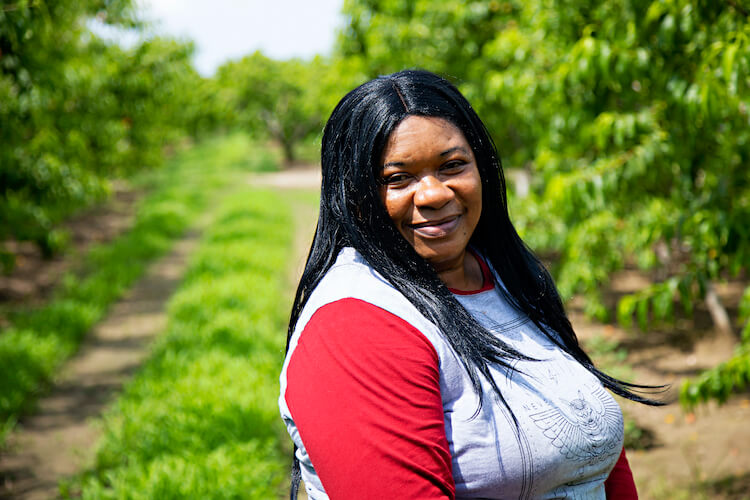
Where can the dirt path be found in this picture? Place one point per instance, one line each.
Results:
(699, 454)
(58, 440)
(299, 177)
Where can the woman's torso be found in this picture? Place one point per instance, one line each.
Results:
(569, 429)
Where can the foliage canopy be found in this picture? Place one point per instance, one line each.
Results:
(631, 118)
(77, 111)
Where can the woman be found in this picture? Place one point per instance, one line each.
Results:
(429, 354)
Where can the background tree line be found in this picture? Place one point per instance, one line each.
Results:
(77, 111)
(630, 118)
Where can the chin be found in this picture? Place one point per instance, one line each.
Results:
(441, 259)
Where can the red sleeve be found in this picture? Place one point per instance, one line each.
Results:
(620, 485)
(363, 388)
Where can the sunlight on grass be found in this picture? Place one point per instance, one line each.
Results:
(39, 340)
(200, 420)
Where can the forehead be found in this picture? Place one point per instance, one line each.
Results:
(419, 137)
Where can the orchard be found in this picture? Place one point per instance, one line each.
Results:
(623, 127)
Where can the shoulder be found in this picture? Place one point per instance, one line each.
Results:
(356, 318)
(351, 277)
(351, 336)
(363, 382)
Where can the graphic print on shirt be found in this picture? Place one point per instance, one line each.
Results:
(586, 429)
(506, 329)
(580, 420)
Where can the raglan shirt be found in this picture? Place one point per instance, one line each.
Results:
(379, 405)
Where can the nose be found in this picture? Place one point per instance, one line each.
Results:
(432, 193)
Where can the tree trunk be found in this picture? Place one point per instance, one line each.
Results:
(276, 130)
(287, 147)
(718, 313)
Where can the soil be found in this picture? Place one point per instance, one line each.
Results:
(33, 276)
(700, 454)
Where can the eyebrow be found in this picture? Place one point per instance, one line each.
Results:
(444, 153)
(452, 150)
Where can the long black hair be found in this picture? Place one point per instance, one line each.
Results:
(353, 215)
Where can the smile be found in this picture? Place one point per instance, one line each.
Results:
(436, 228)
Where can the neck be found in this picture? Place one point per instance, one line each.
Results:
(464, 275)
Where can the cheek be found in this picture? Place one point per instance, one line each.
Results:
(474, 202)
(394, 206)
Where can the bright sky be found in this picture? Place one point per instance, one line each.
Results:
(230, 29)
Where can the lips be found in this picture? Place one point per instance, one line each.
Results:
(436, 228)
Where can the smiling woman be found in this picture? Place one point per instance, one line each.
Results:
(428, 353)
(433, 194)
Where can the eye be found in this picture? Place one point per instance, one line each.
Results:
(453, 166)
(398, 179)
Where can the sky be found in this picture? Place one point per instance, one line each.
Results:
(229, 29)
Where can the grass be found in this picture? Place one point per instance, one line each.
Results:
(201, 420)
(39, 340)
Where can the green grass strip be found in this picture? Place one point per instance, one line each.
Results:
(38, 341)
(200, 420)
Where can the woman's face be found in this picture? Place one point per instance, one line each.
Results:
(432, 189)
